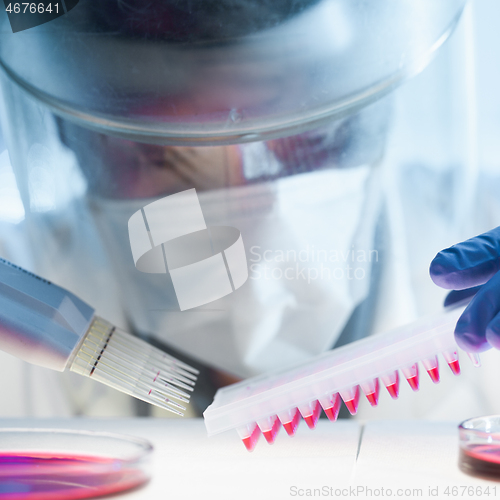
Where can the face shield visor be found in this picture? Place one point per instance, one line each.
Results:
(275, 113)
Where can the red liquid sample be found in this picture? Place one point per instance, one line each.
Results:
(373, 396)
(270, 435)
(394, 388)
(251, 440)
(393, 391)
(413, 381)
(412, 375)
(455, 367)
(49, 476)
(291, 427)
(333, 412)
(352, 405)
(481, 460)
(312, 420)
(434, 374)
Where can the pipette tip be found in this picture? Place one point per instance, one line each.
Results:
(132, 366)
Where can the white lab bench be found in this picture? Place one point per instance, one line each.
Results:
(335, 460)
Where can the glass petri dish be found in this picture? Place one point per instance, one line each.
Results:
(56, 464)
(480, 446)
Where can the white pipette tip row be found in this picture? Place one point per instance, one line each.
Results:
(263, 404)
(134, 367)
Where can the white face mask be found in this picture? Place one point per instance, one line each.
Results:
(308, 240)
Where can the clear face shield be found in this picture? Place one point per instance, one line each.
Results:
(275, 113)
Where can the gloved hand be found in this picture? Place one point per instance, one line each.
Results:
(469, 268)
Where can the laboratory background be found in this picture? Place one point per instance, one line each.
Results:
(348, 141)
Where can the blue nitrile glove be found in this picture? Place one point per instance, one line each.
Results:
(464, 268)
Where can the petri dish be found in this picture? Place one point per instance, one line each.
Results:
(480, 446)
(56, 464)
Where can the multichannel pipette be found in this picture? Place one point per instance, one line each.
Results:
(265, 403)
(48, 326)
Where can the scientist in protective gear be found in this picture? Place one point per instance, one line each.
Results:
(310, 206)
(307, 201)
(308, 269)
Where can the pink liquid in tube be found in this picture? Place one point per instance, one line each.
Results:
(352, 404)
(413, 381)
(434, 374)
(251, 440)
(340, 372)
(270, 435)
(332, 412)
(393, 388)
(312, 419)
(455, 367)
(372, 392)
(372, 398)
(291, 427)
